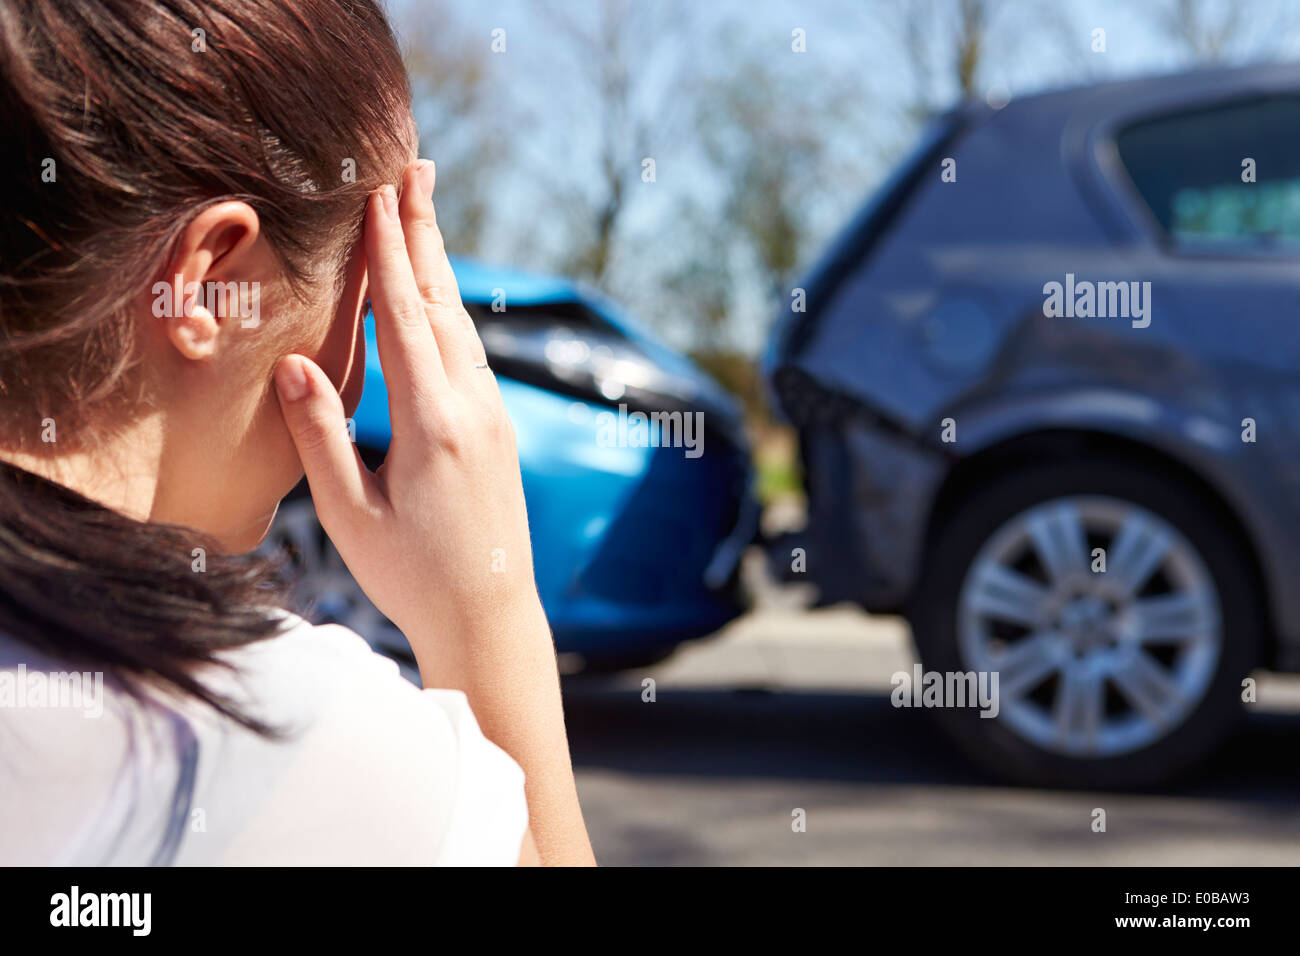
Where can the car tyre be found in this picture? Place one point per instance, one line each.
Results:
(951, 635)
(613, 662)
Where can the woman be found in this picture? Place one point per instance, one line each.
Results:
(206, 194)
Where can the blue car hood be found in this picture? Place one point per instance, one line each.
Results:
(479, 283)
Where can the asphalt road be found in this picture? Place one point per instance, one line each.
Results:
(790, 709)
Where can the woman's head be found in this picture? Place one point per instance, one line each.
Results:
(232, 144)
(189, 179)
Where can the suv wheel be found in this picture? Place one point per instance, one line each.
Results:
(1117, 610)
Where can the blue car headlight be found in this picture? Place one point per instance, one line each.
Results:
(567, 350)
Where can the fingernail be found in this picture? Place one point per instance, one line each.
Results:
(291, 380)
(428, 173)
(388, 195)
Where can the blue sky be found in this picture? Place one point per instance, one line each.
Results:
(541, 105)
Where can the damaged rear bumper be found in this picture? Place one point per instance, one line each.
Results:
(870, 486)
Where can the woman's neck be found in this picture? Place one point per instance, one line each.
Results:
(122, 472)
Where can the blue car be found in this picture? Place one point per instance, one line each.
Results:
(637, 531)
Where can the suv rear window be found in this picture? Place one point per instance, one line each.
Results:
(1189, 167)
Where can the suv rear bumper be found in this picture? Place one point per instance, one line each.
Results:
(869, 499)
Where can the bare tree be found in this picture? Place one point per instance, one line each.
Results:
(1211, 33)
(630, 60)
(968, 45)
(1206, 35)
(943, 38)
(768, 149)
(788, 147)
(956, 49)
(462, 114)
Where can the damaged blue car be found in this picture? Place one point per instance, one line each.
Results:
(636, 472)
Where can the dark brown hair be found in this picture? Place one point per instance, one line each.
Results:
(122, 119)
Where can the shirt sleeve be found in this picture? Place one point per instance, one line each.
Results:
(374, 770)
(489, 813)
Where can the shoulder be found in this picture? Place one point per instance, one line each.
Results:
(370, 768)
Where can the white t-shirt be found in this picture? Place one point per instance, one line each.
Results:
(372, 770)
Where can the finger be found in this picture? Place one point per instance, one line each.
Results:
(413, 371)
(458, 339)
(341, 486)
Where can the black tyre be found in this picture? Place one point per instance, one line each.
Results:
(614, 662)
(1114, 678)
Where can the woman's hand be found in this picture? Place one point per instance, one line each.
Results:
(438, 536)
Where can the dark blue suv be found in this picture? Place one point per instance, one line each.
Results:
(1047, 387)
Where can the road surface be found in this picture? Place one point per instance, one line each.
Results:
(789, 710)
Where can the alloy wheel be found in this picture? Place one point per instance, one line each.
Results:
(1091, 663)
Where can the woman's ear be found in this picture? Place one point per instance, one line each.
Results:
(208, 272)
